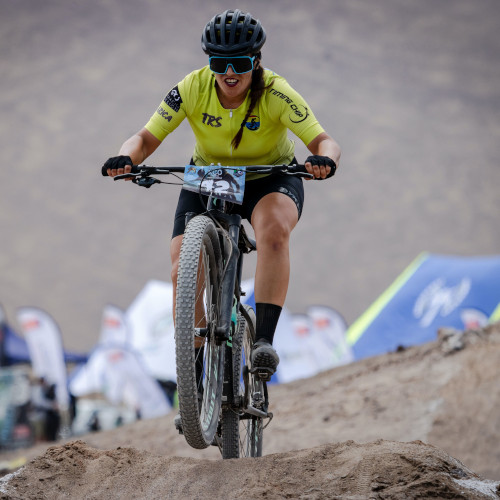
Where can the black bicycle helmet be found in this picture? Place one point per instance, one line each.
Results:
(233, 33)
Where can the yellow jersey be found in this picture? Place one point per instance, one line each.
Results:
(264, 140)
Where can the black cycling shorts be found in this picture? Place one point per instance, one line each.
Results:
(255, 190)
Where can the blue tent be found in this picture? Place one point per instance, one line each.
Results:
(15, 349)
(434, 291)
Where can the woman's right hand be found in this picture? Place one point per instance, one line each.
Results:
(118, 165)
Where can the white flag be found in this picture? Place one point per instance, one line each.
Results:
(292, 342)
(46, 350)
(114, 328)
(328, 337)
(151, 323)
(118, 374)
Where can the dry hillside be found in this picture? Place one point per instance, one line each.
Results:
(419, 423)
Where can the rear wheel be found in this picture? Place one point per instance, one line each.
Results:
(199, 370)
(230, 417)
(242, 431)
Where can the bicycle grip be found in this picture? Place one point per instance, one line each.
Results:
(104, 170)
(302, 168)
(296, 169)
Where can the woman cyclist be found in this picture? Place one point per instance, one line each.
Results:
(240, 113)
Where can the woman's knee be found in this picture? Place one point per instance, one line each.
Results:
(274, 235)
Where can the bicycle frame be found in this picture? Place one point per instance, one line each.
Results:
(233, 260)
(229, 236)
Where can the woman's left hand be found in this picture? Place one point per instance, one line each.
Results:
(322, 167)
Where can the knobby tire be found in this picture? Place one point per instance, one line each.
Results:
(198, 289)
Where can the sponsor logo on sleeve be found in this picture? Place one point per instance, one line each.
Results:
(163, 113)
(299, 114)
(173, 99)
(298, 111)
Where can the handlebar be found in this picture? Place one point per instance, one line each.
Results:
(146, 170)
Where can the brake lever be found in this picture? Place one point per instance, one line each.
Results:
(303, 175)
(125, 176)
(146, 182)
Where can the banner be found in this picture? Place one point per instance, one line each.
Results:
(46, 351)
(16, 348)
(118, 374)
(114, 328)
(310, 343)
(330, 346)
(151, 323)
(434, 291)
(294, 344)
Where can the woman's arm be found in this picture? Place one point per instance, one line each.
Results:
(323, 145)
(138, 148)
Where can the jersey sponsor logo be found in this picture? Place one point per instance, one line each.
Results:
(213, 121)
(163, 113)
(253, 122)
(173, 99)
(281, 96)
(299, 111)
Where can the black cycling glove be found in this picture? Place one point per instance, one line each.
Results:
(115, 163)
(322, 160)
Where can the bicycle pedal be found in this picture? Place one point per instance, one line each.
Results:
(178, 424)
(263, 373)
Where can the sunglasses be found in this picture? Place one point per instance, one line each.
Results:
(240, 64)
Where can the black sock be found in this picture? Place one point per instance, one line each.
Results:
(267, 319)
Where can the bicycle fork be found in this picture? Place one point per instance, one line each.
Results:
(232, 268)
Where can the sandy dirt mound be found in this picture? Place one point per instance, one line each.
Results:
(382, 469)
(397, 421)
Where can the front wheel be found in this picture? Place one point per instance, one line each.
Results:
(199, 369)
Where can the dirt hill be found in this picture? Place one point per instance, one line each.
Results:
(418, 423)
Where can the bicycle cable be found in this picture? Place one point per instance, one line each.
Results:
(137, 180)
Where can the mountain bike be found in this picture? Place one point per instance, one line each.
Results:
(223, 400)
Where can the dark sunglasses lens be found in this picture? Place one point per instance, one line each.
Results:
(239, 65)
(218, 65)
(243, 65)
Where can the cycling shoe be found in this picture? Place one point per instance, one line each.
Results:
(264, 359)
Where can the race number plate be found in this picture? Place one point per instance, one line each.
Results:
(226, 183)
